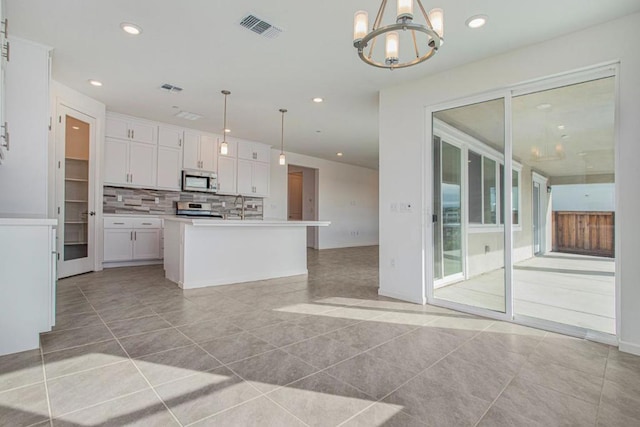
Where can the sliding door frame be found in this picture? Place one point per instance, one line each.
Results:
(609, 69)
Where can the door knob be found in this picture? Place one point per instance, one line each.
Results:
(92, 213)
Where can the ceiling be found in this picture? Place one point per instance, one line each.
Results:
(199, 46)
(584, 146)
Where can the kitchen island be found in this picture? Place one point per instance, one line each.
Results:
(200, 252)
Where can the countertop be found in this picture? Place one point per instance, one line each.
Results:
(217, 222)
(26, 219)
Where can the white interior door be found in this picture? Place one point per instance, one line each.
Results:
(75, 185)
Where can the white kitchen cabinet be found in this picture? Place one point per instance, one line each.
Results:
(199, 151)
(171, 137)
(169, 171)
(129, 163)
(130, 129)
(255, 151)
(253, 178)
(28, 282)
(129, 238)
(227, 175)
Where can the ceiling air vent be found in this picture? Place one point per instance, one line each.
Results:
(187, 115)
(260, 26)
(171, 88)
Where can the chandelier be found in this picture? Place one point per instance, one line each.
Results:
(421, 41)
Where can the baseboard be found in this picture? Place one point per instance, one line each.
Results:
(193, 284)
(628, 347)
(400, 296)
(131, 263)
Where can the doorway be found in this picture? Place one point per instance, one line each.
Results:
(527, 254)
(75, 188)
(302, 199)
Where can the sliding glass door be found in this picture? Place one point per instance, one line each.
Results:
(468, 199)
(523, 216)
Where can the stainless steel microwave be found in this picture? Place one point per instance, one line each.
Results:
(195, 180)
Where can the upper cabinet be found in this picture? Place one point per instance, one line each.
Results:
(129, 164)
(199, 151)
(130, 129)
(254, 151)
(169, 170)
(170, 137)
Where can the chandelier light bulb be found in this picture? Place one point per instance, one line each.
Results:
(405, 10)
(436, 16)
(283, 160)
(392, 47)
(360, 25)
(224, 148)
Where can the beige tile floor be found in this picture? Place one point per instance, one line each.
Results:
(130, 348)
(572, 289)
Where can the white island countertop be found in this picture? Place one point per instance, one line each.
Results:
(217, 222)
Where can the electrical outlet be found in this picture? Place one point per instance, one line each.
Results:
(119, 197)
(157, 200)
(224, 204)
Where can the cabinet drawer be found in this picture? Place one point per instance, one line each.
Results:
(147, 223)
(118, 222)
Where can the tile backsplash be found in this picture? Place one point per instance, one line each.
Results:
(141, 201)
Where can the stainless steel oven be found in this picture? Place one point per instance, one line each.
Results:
(195, 180)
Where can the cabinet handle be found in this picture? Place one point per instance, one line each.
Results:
(146, 223)
(5, 28)
(131, 235)
(135, 235)
(129, 133)
(5, 135)
(118, 223)
(6, 50)
(132, 134)
(179, 142)
(132, 178)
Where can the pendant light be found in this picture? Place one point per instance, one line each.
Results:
(283, 160)
(224, 147)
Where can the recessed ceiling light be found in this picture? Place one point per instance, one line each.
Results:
(132, 29)
(93, 82)
(476, 21)
(318, 100)
(339, 154)
(543, 106)
(561, 127)
(227, 130)
(75, 127)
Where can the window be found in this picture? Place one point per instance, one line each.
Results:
(485, 178)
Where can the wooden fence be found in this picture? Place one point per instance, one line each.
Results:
(586, 233)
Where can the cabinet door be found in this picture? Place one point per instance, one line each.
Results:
(142, 164)
(118, 245)
(263, 152)
(146, 244)
(245, 150)
(142, 132)
(261, 177)
(191, 152)
(245, 182)
(208, 153)
(169, 168)
(116, 158)
(117, 127)
(170, 137)
(226, 175)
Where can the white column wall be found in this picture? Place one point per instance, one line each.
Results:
(347, 196)
(402, 141)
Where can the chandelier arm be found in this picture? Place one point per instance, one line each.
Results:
(379, 16)
(373, 44)
(425, 14)
(415, 43)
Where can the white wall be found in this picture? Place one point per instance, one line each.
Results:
(403, 139)
(23, 175)
(584, 197)
(347, 196)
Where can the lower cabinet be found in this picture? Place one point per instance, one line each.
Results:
(132, 239)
